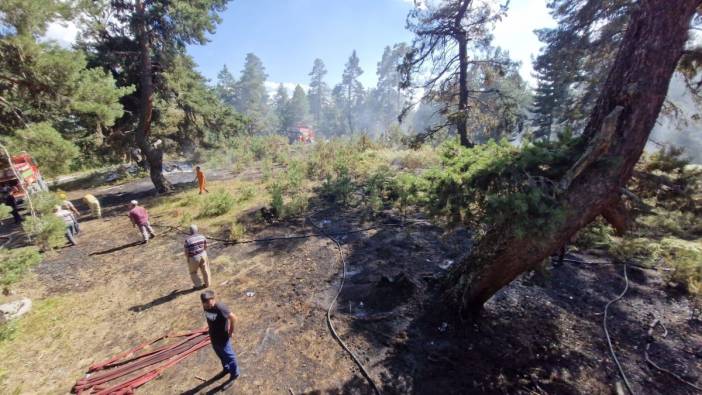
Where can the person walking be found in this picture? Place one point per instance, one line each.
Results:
(201, 180)
(11, 201)
(140, 219)
(69, 221)
(68, 206)
(94, 205)
(220, 321)
(196, 253)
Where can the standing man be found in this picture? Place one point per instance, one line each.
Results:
(11, 201)
(221, 325)
(201, 181)
(140, 219)
(196, 253)
(70, 222)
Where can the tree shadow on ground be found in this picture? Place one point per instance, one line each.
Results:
(538, 335)
(420, 344)
(163, 299)
(118, 248)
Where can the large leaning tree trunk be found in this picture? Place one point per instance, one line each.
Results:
(617, 132)
(153, 154)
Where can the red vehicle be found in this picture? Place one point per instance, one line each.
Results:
(29, 176)
(300, 134)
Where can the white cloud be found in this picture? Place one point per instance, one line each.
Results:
(64, 33)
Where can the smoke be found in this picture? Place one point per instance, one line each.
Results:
(680, 122)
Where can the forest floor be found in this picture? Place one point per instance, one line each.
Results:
(541, 334)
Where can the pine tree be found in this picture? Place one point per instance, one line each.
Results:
(452, 37)
(281, 108)
(138, 40)
(350, 92)
(387, 97)
(298, 108)
(318, 92)
(226, 86)
(251, 98)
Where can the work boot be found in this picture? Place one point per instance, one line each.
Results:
(229, 383)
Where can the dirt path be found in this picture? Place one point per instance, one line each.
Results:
(541, 334)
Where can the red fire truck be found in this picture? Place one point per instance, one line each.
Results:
(300, 134)
(29, 176)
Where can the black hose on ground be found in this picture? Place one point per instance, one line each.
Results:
(609, 340)
(342, 259)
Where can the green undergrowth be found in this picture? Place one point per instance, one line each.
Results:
(666, 231)
(16, 263)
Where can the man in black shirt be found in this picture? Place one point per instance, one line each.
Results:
(221, 325)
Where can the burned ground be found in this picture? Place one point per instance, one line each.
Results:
(541, 334)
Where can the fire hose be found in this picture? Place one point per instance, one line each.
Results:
(125, 372)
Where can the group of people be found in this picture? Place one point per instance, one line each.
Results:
(220, 320)
(69, 214)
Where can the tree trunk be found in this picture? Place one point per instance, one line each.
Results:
(153, 155)
(635, 90)
(460, 36)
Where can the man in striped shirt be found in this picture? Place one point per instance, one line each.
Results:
(196, 252)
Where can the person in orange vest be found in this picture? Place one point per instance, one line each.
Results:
(201, 181)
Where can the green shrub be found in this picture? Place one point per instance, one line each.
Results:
(498, 185)
(47, 231)
(5, 211)
(596, 235)
(8, 331)
(236, 231)
(44, 202)
(246, 194)
(216, 203)
(642, 250)
(297, 206)
(277, 202)
(340, 187)
(685, 258)
(185, 220)
(49, 149)
(16, 262)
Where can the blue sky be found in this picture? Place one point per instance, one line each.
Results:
(289, 34)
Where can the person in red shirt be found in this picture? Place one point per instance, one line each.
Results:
(140, 219)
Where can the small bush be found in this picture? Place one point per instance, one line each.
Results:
(216, 203)
(246, 194)
(185, 220)
(685, 258)
(47, 231)
(5, 211)
(596, 235)
(642, 250)
(44, 202)
(340, 187)
(236, 231)
(277, 202)
(297, 206)
(16, 262)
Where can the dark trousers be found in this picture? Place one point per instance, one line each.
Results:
(70, 232)
(227, 356)
(16, 215)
